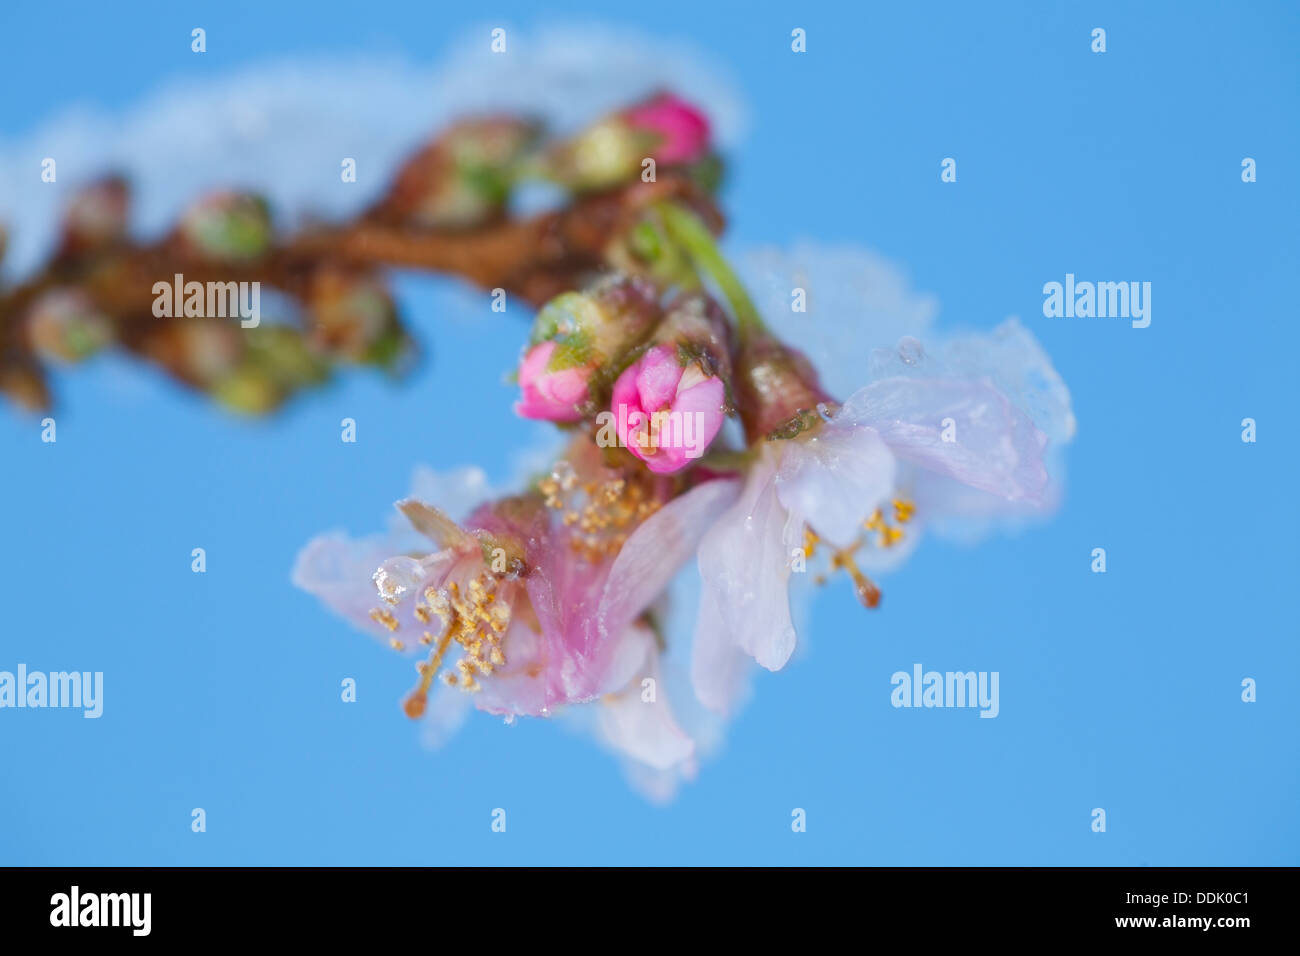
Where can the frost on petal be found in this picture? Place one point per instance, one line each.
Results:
(456, 492)
(744, 562)
(644, 730)
(855, 300)
(1009, 355)
(835, 478)
(1012, 357)
(965, 429)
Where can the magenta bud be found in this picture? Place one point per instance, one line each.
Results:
(551, 394)
(667, 411)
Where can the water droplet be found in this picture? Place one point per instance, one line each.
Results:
(910, 350)
(564, 475)
(396, 576)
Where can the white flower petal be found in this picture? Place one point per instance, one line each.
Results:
(645, 730)
(1009, 355)
(835, 478)
(966, 429)
(718, 665)
(745, 562)
(655, 551)
(336, 569)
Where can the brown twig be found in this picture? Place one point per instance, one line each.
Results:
(535, 258)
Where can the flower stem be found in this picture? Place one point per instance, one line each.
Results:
(690, 232)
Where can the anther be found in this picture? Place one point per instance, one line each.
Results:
(384, 617)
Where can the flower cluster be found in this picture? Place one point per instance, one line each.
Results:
(693, 433)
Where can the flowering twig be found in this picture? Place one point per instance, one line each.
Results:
(445, 212)
(546, 596)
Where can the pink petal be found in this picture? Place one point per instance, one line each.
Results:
(534, 363)
(584, 610)
(707, 400)
(657, 375)
(693, 417)
(520, 687)
(683, 129)
(550, 395)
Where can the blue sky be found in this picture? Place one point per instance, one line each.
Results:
(1119, 691)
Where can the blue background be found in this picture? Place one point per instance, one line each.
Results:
(1119, 690)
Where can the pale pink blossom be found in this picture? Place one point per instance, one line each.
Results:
(556, 618)
(908, 448)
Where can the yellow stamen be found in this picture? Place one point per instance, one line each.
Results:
(419, 698)
(385, 617)
(886, 536)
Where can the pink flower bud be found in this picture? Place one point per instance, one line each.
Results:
(579, 340)
(665, 413)
(683, 131)
(551, 394)
(664, 128)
